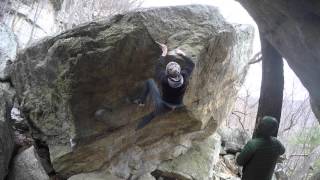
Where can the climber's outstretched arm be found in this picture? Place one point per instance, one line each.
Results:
(160, 73)
(189, 66)
(189, 63)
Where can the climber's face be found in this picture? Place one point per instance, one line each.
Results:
(173, 69)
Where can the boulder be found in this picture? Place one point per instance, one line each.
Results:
(6, 131)
(26, 165)
(230, 162)
(147, 177)
(22, 136)
(196, 164)
(294, 30)
(233, 139)
(222, 171)
(94, 176)
(63, 81)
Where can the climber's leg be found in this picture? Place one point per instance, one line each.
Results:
(150, 88)
(161, 109)
(145, 120)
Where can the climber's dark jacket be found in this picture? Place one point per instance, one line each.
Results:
(259, 155)
(169, 94)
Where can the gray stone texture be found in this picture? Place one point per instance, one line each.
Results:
(63, 80)
(27, 166)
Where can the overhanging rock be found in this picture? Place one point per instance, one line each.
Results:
(62, 81)
(294, 30)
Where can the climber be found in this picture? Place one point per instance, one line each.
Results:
(173, 80)
(259, 156)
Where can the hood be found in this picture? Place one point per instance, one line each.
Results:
(267, 126)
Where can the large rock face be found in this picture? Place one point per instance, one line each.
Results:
(294, 29)
(6, 132)
(197, 163)
(62, 81)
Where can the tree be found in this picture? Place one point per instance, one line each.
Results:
(4, 8)
(304, 166)
(75, 12)
(35, 19)
(271, 93)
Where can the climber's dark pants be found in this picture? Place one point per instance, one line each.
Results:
(161, 107)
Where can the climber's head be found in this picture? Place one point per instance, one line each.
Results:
(267, 127)
(173, 70)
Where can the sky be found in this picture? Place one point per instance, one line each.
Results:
(233, 12)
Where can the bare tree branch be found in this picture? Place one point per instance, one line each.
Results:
(26, 18)
(293, 155)
(35, 19)
(239, 119)
(256, 58)
(239, 112)
(75, 12)
(306, 164)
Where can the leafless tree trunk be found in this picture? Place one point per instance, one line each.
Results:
(256, 58)
(271, 94)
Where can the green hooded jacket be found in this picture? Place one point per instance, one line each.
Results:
(259, 155)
